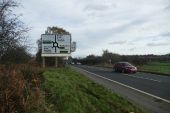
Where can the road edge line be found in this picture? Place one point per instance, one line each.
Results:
(154, 96)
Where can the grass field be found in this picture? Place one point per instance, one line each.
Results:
(67, 91)
(159, 67)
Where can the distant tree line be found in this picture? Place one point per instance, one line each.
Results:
(111, 58)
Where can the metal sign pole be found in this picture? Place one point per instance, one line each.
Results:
(56, 61)
(43, 62)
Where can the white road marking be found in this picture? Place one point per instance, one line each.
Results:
(99, 68)
(152, 74)
(143, 78)
(154, 96)
(125, 74)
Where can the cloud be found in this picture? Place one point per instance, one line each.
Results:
(117, 42)
(132, 49)
(167, 8)
(94, 23)
(96, 7)
(125, 27)
(167, 34)
(162, 36)
(158, 44)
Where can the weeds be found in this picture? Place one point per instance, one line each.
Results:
(20, 89)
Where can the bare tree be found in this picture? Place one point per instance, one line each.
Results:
(12, 30)
(56, 30)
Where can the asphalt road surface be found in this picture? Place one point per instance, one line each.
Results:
(154, 84)
(149, 91)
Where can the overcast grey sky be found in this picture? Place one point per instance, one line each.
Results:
(121, 26)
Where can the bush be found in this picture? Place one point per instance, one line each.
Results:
(16, 55)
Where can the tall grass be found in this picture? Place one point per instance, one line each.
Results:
(20, 89)
(67, 91)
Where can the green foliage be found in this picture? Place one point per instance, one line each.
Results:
(15, 55)
(56, 30)
(109, 58)
(38, 56)
(68, 91)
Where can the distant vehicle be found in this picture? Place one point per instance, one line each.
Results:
(124, 67)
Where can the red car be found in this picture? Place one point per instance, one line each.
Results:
(124, 67)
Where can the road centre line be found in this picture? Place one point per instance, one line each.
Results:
(143, 78)
(97, 68)
(140, 91)
(128, 75)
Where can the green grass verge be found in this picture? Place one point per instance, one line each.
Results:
(158, 67)
(70, 92)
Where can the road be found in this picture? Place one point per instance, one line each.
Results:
(155, 85)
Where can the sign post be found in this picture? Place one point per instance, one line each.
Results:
(55, 45)
(43, 58)
(56, 62)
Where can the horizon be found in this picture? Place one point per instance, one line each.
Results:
(127, 55)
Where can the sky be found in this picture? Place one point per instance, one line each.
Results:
(126, 27)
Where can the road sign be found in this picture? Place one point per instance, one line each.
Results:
(73, 46)
(56, 45)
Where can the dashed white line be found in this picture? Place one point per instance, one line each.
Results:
(143, 78)
(98, 68)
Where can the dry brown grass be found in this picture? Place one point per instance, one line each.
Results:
(20, 89)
